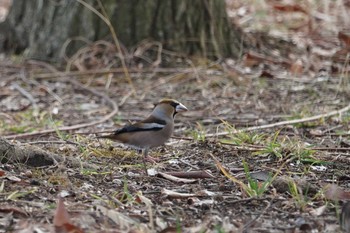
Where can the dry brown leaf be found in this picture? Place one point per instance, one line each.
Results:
(318, 211)
(289, 8)
(61, 220)
(296, 68)
(251, 59)
(345, 38)
(334, 192)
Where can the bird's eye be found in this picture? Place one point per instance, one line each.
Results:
(174, 104)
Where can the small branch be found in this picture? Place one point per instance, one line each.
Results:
(261, 148)
(291, 122)
(107, 21)
(191, 174)
(331, 148)
(27, 95)
(251, 222)
(175, 178)
(78, 126)
(51, 75)
(53, 142)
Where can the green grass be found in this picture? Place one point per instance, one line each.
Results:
(282, 147)
(243, 138)
(276, 145)
(272, 147)
(255, 188)
(301, 197)
(19, 194)
(29, 121)
(199, 133)
(300, 114)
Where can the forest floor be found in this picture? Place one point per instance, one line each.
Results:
(264, 147)
(281, 174)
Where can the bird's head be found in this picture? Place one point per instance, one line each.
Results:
(169, 108)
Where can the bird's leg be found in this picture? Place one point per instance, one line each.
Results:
(144, 155)
(149, 158)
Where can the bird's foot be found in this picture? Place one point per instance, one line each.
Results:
(151, 159)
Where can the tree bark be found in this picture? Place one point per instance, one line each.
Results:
(43, 28)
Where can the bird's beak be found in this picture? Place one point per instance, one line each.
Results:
(181, 108)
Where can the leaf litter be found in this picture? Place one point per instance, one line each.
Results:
(211, 177)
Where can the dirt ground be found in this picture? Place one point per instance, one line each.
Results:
(219, 173)
(109, 191)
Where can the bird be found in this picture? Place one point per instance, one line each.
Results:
(151, 132)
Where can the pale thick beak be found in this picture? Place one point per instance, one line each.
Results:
(181, 108)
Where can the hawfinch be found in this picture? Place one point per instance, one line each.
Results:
(154, 131)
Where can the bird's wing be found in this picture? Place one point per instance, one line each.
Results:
(149, 124)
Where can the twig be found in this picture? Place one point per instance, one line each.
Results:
(244, 147)
(251, 222)
(191, 174)
(50, 75)
(248, 199)
(331, 148)
(176, 179)
(107, 21)
(36, 83)
(27, 95)
(261, 148)
(296, 121)
(73, 127)
(53, 142)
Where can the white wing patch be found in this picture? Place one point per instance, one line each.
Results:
(150, 126)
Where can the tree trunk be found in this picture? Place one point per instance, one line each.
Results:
(43, 28)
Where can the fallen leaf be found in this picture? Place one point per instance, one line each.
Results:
(318, 211)
(13, 178)
(335, 193)
(61, 220)
(261, 175)
(345, 38)
(61, 216)
(297, 68)
(252, 59)
(2, 172)
(289, 8)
